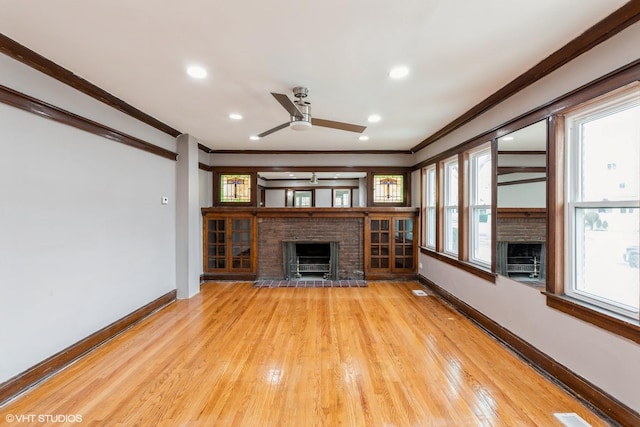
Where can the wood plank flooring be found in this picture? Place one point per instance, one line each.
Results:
(241, 356)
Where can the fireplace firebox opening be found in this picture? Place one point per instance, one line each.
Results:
(310, 260)
(525, 260)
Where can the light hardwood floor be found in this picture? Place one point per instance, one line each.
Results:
(236, 355)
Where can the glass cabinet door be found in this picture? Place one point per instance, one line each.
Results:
(380, 244)
(241, 244)
(216, 244)
(403, 242)
(229, 246)
(392, 247)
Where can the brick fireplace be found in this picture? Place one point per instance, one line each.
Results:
(521, 250)
(345, 233)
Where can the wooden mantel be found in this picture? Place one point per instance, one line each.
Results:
(310, 212)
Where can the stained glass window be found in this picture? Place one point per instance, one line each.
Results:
(235, 188)
(388, 188)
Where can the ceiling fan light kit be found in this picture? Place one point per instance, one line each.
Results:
(300, 125)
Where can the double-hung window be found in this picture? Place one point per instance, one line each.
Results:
(603, 202)
(451, 206)
(430, 207)
(480, 185)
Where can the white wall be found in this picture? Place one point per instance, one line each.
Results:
(206, 188)
(529, 195)
(84, 238)
(606, 360)
(275, 198)
(323, 197)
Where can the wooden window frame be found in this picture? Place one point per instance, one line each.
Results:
(217, 193)
(406, 190)
(556, 295)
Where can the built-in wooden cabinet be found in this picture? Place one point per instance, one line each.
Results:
(230, 245)
(390, 245)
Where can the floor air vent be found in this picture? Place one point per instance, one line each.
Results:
(419, 293)
(571, 420)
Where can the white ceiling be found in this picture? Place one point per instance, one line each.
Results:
(459, 52)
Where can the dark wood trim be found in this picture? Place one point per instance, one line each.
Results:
(440, 206)
(521, 213)
(608, 405)
(303, 152)
(34, 60)
(609, 321)
(478, 271)
(506, 170)
(205, 148)
(616, 79)
(522, 153)
(256, 169)
(605, 29)
(358, 212)
(53, 364)
(204, 167)
(463, 206)
(521, 181)
(555, 205)
(494, 204)
(32, 105)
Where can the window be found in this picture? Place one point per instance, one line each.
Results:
(451, 206)
(603, 201)
(480, 185)
(430, 207)
(235, 188)
(342, 198)
(299, 198)
(388, 189)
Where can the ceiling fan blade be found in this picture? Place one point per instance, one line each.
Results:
(338, 125)
(287, 104)
(275, 129)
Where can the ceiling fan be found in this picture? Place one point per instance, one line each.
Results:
(300, 113)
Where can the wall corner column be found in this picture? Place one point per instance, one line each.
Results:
(188, 229)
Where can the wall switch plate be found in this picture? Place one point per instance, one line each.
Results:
(165, 200)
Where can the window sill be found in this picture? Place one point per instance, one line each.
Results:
(463, 265)
(612, 322)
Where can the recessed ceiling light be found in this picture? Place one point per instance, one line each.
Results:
(508, 138)
(374, 118)
(363, 138)
(399, 72)
(235, 116)
(254, 137)
(197, 72)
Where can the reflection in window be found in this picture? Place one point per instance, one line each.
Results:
(342, 198)
(388, 188)
(303, 198)
(430, 202)
(451, 206)
(235, 188)
(480, 184)
(603, 199)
